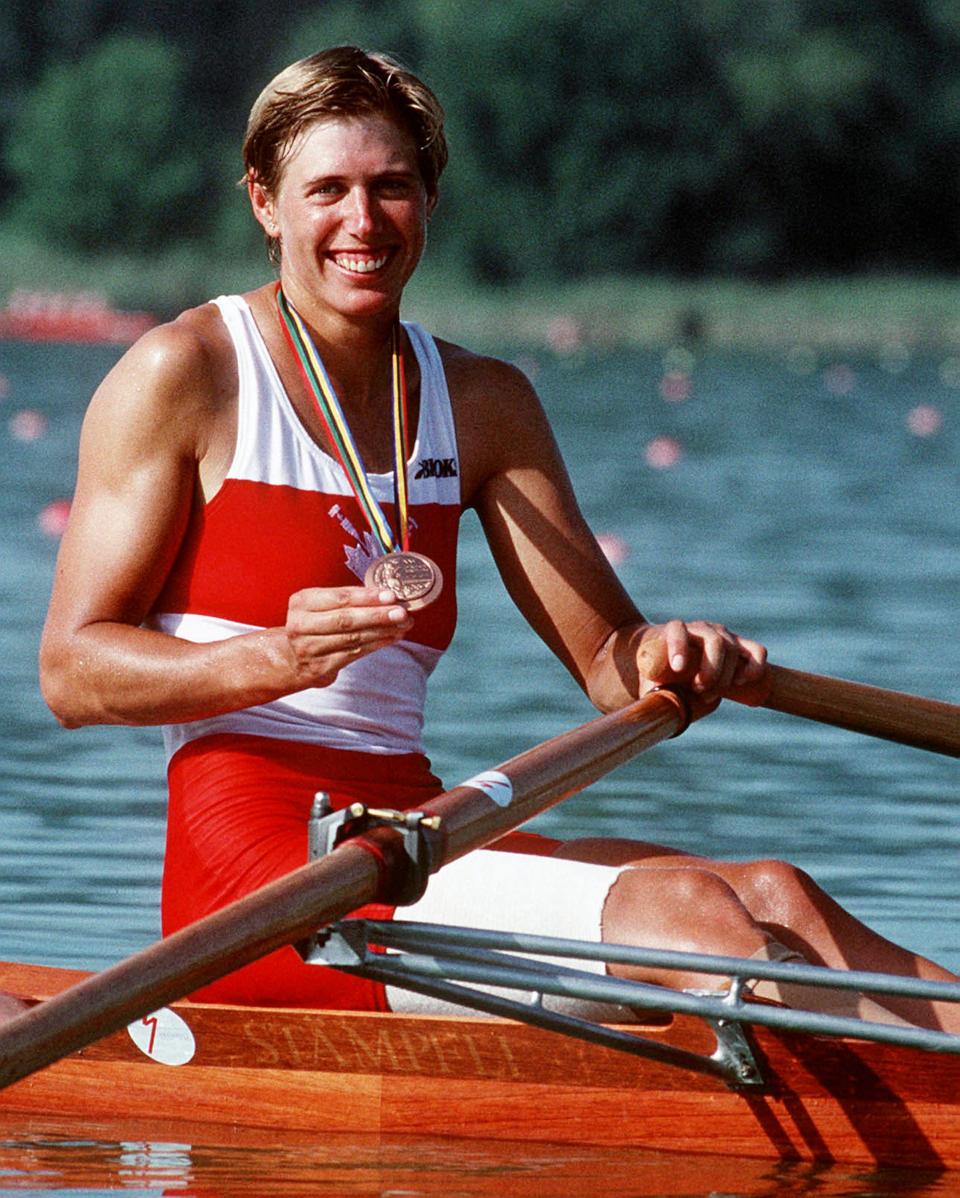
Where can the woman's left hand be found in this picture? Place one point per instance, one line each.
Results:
(708, 658)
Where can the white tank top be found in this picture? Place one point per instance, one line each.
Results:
(286, 518)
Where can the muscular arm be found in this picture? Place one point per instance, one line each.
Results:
(549, 559)
(158, 428)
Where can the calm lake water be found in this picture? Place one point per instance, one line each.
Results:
(810, 502)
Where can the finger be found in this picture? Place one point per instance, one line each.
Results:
(342, 631)
(677, 638)
(348, 619)
(728, 668)
(325, 616)
(718, 661)
(752, 664)
(361, 644)
(319, 599)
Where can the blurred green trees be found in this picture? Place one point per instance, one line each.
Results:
(593, 148)
(761, 137)
(97, 153)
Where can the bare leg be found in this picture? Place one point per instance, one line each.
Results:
(762, 903)
(691, 910)
(697, 911)
(11, 1007)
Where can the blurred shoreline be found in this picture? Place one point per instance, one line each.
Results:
(870, 314)
(863, 313)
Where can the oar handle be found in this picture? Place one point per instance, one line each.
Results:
(891, 715)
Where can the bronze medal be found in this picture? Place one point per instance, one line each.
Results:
(413, 578)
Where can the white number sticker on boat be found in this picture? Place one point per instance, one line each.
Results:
(164, 1037)
(494, 785)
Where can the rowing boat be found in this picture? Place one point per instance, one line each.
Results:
(706, 1073)
(473, 1077)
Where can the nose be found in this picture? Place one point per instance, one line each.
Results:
(360, 217)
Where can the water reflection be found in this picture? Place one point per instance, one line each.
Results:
(240, 1163)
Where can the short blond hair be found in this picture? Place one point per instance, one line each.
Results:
(343, 81)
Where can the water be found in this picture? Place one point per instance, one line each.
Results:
(802, 510)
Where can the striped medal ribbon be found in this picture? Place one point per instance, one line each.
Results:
(415, 579)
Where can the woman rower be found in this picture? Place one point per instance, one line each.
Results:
(261, 557)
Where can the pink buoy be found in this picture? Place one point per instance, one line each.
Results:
(28, 425)
(924, 420)
(663, 452)
(564, 335)
(53, 517)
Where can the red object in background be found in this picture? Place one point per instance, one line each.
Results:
(53, 517)
(65, 316)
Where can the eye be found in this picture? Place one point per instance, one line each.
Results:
(397, 186)
(325, 188)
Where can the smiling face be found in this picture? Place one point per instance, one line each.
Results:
(350, 213)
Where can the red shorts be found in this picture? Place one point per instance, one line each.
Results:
(237, 820)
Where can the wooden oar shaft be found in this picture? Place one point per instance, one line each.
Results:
(891, 715)
(281, 913)
(553, 771)
(294, 906)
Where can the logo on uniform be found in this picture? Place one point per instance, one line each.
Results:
(360, 556)
(437, 468)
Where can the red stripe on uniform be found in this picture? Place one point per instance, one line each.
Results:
(256, 544)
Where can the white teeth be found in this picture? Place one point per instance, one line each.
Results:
(361, 266)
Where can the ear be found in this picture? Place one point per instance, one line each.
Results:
(432, 198)
(263, 206)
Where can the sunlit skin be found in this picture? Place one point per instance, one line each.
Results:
(351, 212)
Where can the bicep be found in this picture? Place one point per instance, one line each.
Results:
(135, 488)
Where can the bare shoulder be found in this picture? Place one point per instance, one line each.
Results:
(478, 377)
(180, 377)
(198, 337)
(192, 351)
(489, 393)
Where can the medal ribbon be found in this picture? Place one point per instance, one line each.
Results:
(338, 430)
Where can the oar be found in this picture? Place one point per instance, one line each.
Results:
(358, 871)
(891, 715)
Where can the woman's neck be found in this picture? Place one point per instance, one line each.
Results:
(356, 351)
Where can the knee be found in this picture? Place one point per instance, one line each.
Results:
(697, 891)
(675, 895)
(689, 909)
(774, 889)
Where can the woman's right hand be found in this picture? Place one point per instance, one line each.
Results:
(327, 628)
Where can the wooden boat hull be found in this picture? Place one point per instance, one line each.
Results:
(389, 1075)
